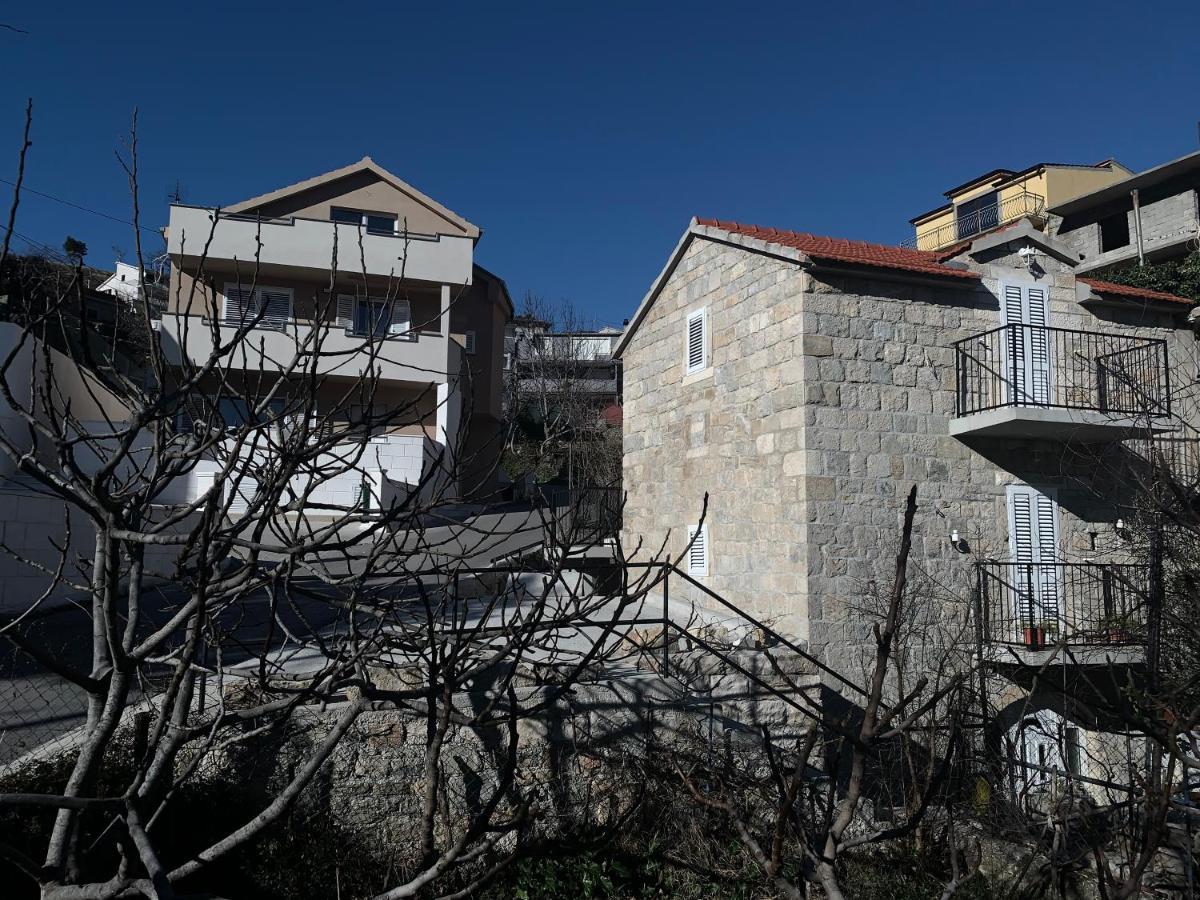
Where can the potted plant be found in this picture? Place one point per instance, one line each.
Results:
(1118, 628)
(1037, 635)
(1050, 631)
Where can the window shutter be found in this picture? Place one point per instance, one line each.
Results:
(1046, 535)
(1033, 540)
(277, 308)
(696, 349)
(697, 563)
(399, 319)
(345, 311)
(1022, 522)
(239, 303)
(1039, 345)
(469, 342)
(243, 490)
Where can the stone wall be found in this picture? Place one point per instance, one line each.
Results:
(733, 430)
(828, 397)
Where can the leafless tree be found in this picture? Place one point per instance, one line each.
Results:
(803, 804)
(558, 392)
(221, 619)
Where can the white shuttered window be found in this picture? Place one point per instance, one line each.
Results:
(1033, 542)
(696, 354)
(1026, 309)
(697, 558)
(244, 305)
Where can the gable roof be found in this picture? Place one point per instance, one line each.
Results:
(1124, 290)
(366, 164)
(861, 253)
(803, 248)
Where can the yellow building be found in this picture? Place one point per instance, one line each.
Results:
(1003, 195)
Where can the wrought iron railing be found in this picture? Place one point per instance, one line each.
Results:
(984, 219)
(1050, 604)
(1031, 365)
(587, 513)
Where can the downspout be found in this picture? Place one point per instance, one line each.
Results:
(1137, 226)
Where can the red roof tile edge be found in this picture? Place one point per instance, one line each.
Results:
(862, 253)
(1124, 290)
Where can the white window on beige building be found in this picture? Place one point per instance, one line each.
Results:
(697, 558)
(244, 305)
(375, 316)
(697, 341)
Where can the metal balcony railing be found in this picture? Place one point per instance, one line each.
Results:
(1035, 366)
(1049, 604)
(1022, 205)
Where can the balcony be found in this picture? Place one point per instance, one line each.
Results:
(421, 358)
(980, 221)
(1041, 606)
(1030, 381)
(300, 247)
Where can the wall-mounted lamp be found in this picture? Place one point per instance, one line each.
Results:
(958, 542)
(1029, 255)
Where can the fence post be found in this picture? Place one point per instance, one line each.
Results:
(1015, 358)
(1106, 582)
(666, 623)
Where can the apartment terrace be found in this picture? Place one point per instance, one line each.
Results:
(979, 220)
(298, 247)
(1040, 605)
(1035, 381)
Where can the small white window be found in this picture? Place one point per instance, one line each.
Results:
(243, 306)
(469, 342)
(697, 341)
(697, 557)
(373, 222)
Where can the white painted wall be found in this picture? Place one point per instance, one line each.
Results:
(308, 244)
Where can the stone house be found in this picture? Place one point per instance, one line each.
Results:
(804, 383)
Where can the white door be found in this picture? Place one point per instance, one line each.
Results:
(1033, 543)
(1039, 742)
(1027, 371)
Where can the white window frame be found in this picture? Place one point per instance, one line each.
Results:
(701, 570)
(362, 220)
(264, 323)
(350, 324)
(705, 342)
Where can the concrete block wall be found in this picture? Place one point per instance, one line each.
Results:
(1165, 222)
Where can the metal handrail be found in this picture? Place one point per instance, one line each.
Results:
(979, 222)
(1084, 600)
(1066, 368)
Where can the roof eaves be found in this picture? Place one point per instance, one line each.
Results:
(366, 164)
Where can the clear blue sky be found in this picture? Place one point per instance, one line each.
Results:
(581, 137)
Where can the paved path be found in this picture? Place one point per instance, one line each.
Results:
(37, 706)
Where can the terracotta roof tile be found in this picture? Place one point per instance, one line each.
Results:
(1124, 290)
(860, 253)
